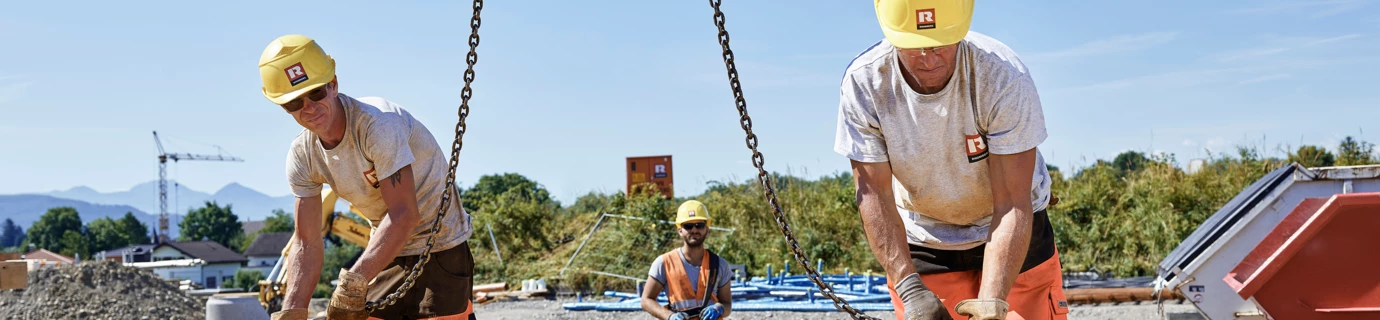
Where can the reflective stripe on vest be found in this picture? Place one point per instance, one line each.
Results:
(678, 290)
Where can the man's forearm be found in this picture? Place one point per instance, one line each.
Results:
(655, 309)
(886, 235)
(385, 245)
(1005, 252)
(303, 265)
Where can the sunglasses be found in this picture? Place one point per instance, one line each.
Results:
(693, 226)
(315, 96)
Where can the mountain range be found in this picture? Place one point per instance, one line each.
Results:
(142, 200)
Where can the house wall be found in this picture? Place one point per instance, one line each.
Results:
(222, 272)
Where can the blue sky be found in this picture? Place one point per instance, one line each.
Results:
(566, 89)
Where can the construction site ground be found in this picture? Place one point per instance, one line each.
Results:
(551, 310)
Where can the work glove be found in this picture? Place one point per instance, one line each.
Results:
(712, 312)
(347, 302)
(920, 303)
(679, 316)
(290, 314)
(983, 309)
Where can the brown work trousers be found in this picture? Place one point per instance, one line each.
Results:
(954, 276)
(442, 291)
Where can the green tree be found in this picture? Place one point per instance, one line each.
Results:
(75, 244)
(1129, 162)
(214, 223)
(10, 234)
(246, 279)
(1313, 156)
(135, 231)
(49, 231)
(1354, 152)
(106, 234)
(489, 187)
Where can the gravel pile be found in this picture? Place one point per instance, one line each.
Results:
(98, 290)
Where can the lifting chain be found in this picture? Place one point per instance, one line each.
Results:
(762, 176)
(465, 95)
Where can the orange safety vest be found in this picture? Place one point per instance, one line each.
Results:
(678, 291)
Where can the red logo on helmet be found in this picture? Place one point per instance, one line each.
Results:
(296, 74)
(924, 19)
(977, 147)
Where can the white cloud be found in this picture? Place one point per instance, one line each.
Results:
(1190, 143)
(1293, 43)
(1122, 43)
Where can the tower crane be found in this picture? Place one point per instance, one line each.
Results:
(163, 158)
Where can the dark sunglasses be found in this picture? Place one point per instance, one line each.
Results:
(315, 95)
(693, 226)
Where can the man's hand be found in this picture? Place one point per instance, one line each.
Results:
(679, 316)
(983, 309)
(920, 302)
(347, 302)
(290, 314)
(712, 312)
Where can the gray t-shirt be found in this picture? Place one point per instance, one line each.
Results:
(934, 142)
(691, 271)
(380, 139)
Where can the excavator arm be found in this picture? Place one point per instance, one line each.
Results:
(271, 291)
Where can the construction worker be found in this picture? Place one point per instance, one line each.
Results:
(696, 281)
(941, 126)
(375, 155)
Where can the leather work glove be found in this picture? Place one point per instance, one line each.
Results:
(712, 312)
(920, 303)
(347, 302)
(290, 314)
(983, 309)
(678, 316)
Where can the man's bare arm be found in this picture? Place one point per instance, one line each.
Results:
(1011, 222)
(303, 262)
(649, 304)
(400, 194)
(725, 297)
(886, 233)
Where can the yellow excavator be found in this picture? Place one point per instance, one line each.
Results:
(271, 290)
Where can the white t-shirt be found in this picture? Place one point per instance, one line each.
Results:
(933, 141)
(380, 139)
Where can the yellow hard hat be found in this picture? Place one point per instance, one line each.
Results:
(292, 65)
(692, 211)
(910, 24)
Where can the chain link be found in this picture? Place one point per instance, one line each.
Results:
(764, 179)
(464, 112)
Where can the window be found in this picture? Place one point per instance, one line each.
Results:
(634, 166)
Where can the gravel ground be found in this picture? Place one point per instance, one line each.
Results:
(98, 290)
(548, 309)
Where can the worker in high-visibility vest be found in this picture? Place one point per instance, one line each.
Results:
(941, 126)
(376, 155)
(696, 281)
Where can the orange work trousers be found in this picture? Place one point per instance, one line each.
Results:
(1038, 293)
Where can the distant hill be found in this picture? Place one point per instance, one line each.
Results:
(246, 203)
(25, 209)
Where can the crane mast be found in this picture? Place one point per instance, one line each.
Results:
(163, 158)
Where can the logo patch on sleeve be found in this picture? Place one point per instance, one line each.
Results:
(976, 146)
(372, 178)
(924, 19)
(296, 74)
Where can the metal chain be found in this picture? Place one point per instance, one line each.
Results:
(465, 95)
(764, 179)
